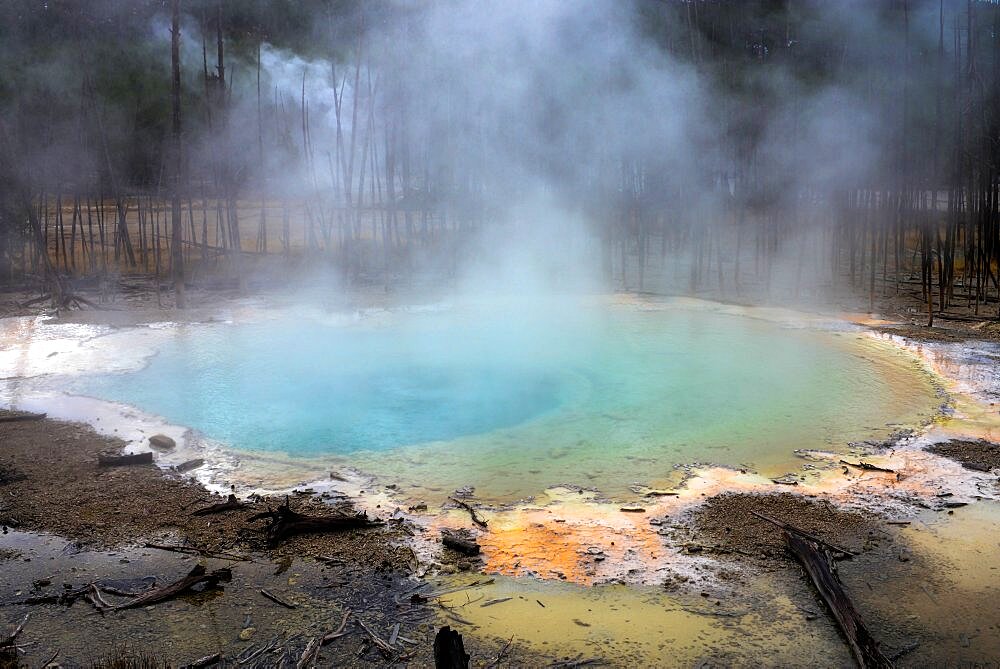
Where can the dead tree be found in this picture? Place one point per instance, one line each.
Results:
(176, 241)
(285, 523)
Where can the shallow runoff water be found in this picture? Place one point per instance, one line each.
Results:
(512, 397)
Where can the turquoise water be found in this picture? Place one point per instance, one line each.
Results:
(515, 397)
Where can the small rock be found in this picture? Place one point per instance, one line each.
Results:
(162, 442)
(247, 633)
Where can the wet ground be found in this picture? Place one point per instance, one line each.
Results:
(712, 585)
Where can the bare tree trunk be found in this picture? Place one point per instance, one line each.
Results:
(176, 248)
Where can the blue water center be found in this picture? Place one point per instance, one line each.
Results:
(516, 396)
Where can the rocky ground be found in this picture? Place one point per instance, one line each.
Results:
(100, 523)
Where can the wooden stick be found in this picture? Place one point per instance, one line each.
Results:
(867, 467)
(339, 632)
(9, 641)
(206, 661)
(274, 598)
(379, 642)
(792, 528)
(472, 512)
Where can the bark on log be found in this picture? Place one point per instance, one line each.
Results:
(230, 504)
(188, 465)
(868, 467)
(194, 577)
(110, 460)
(791, 528)
(820, 568)
(285, 523)
(449, 651)
(457, 542)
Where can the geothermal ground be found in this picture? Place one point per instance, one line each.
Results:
(685, 568)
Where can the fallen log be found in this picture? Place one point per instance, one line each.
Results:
(230, 504)
(35, 300)
(188, 465)
(791, 528)
(457, 542)
(285, 523)
(868, 467)
(449, 650)
(17, 416)
(193, 578)
(472, 512)
(112, 460)
(820, 568)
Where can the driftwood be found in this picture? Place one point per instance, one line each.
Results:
(206, 661)
(111, 460)
(472, 512)
(193, 578)
(188, 465)
(17, 416)
(310, 654)
(230, 504)
(285, 523)
(337, 633)
(8, 641)
(380, 643)
(820, 568)
(449, 651)
(791, 528)
(277, 600)
(868, 467)
(457, 542)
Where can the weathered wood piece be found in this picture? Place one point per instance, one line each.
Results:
(206, 661)
(821, 570)
(8, 641)
(868, 467)
(285, 523)
(458, 542)
(277, 600)
(188, 465)
(339, 632)
(197, 575)
(231, 504)
(449, 650)
(791, 528)
(472, 512)
(194, 550)
(113, 460)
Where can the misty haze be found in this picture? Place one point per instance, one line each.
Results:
(482, 333)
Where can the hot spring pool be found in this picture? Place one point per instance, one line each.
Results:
(515, 397)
